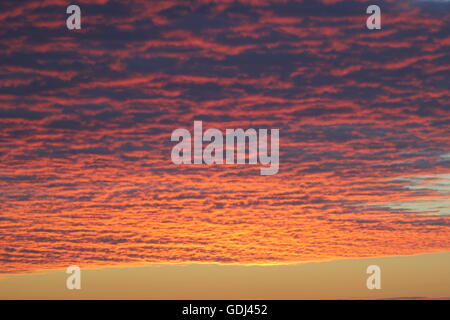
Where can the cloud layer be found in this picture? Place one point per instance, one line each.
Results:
(86, 118)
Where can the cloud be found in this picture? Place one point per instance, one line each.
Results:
(86, 119)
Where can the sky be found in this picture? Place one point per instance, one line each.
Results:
(408, 277)
(86, 118)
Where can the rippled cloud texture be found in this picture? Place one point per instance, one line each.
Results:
(86, 118)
